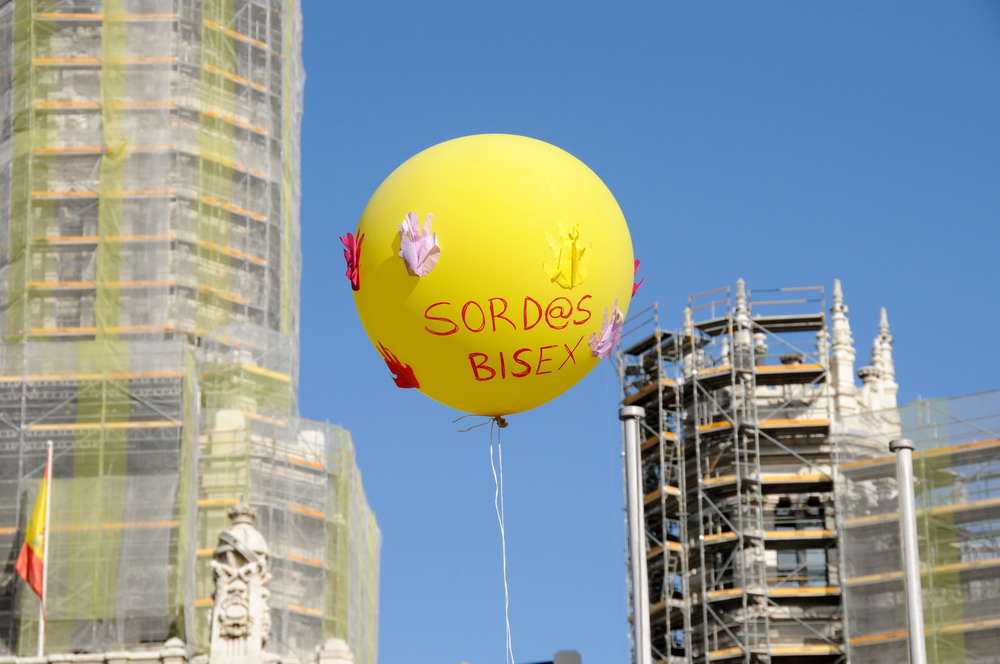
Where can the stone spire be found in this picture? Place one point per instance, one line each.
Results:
(741, 318)
(742, 338)
(845, 392)
(882, 349)
(880, 388)
(691, 351)
(240, 616)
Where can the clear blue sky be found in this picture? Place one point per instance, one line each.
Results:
(788, 143)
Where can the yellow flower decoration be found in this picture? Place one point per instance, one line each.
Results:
(570, 258)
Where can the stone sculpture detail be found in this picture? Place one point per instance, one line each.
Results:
(240, 616)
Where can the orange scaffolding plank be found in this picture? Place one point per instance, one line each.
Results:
(91, 284)
(809, 533)
(97, 61)
(234, 120)
(42, 103)
(233, 77)
(94, 426)
(936, 569)
(652, 440)
(217, 501)
(96, 149)
(305, 462)
(223, 294)
(90, 239)
(655, 493)
(638, 396)
(231, 252)
(113, 375)
(277, 375)
(805, 650)
(950, 508)
(236, 35)
(122, 525)
(937, 451)
(308, 512)
(113, 194)
(232, 208)
(302, 559)
(658, 549)
(264, 418)
(778, 424)
(799, 591)
(93, 330)
(93, 16)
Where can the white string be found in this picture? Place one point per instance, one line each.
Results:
(498, 505)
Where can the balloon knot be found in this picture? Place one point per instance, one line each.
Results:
(499, 420)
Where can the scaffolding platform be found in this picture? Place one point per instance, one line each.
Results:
(733, 432)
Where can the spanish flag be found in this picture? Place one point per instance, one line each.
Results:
(30, 561)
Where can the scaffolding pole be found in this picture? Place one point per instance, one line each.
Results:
(45, 549)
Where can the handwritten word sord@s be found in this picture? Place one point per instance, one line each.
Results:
(497, 315)
(558, 314)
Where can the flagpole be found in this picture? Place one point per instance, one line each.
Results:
(45, 551)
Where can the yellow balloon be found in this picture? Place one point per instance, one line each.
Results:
(532, 256)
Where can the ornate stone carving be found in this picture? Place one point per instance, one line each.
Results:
(240, 616)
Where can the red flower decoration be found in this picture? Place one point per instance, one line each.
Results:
(352, 254)
(402, 374)
(635, 269)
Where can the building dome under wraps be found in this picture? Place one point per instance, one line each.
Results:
(150, 261)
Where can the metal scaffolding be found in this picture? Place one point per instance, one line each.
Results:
(150, 264)
(151, 451)
(124, 441)
(738, 466)
(957, 483)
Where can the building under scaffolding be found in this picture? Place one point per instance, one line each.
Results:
(739, 470)
(149, 155)
(957, 482)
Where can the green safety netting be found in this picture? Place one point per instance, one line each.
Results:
(150, 274)
(956, 472)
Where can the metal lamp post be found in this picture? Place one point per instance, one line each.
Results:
(630, 417)
(903, 448)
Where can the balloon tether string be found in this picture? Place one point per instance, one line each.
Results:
(498, 422)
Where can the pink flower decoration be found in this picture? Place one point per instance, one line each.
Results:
(352, 254)
(418, 247)
(611, 333)
(635, 286)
